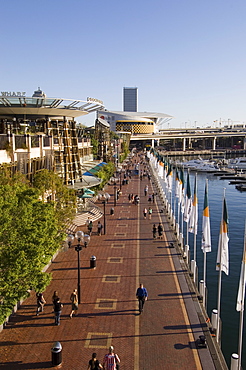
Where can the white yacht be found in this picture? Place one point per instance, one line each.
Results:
(201, 165)
(238, 163)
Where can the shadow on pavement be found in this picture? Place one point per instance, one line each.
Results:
(17, 365)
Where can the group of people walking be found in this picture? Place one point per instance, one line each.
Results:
(57, 305)
(134, 199)
(158, 229)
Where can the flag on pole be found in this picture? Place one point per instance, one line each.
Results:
(160, 168)
(188, 200)
(206, 234)
(223, 252)
(169, 178)
(177, 187)
(182, 190)
(242, 281)
(165, 172)
(194, 211)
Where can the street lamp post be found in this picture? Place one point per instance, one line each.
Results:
(106, 196)
(104, 216)
(115, 194)
(120, 179)
(87, 239)
(70, 239)
(78, 248)
(80, 236)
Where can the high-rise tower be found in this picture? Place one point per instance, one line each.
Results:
(130, 99)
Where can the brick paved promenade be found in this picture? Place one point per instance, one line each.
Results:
(162, 337)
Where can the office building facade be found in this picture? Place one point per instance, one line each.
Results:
(130, 99)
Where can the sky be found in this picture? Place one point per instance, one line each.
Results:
(187, 58)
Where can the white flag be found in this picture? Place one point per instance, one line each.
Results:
(206, 234)
(223, 252)
(193, 222)
(242, 281)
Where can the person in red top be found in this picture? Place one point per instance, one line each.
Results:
(111, 360)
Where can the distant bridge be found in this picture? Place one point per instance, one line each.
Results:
(206, 137)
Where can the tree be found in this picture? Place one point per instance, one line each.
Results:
(30, 233)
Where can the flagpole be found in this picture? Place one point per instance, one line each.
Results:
(182, 205)
(220, 275)
(174, 213)
(204, 263)
(240, 336)
(195, 217)
(242, 287)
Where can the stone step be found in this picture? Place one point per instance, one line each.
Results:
(80, 219)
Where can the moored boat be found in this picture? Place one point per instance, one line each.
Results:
(238, 163)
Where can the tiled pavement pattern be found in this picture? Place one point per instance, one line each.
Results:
(160, 338)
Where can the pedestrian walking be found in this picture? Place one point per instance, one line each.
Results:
(150, 199)
(90, 227)
(40, 303)
(57, 310)
(154, 230)
(160, 231)
(142, 296)
(150, 212)
(55, 297)
(153, 197)
(129, 197)
(75, 303)
(111, 360)
(94, 364)
(146, 190)
(136, 200)
(99, 228)
(145, 213)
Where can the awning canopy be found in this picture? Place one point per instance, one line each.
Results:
(88, 191)
(95, 170)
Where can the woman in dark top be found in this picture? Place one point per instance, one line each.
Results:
(94, 364)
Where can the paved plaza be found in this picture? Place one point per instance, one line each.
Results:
(162, 337)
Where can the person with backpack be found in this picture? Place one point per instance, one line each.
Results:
(94, 364)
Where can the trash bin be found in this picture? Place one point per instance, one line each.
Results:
(56, 352)
(112, 211)
(93, 262)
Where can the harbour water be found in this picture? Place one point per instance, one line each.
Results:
(236, 207)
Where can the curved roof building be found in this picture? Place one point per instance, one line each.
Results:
(134, 122)
(38, 132)
(17, 108)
